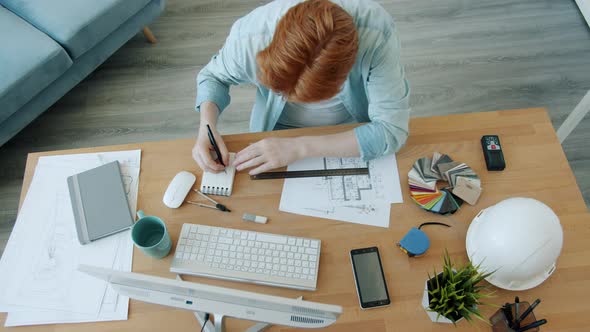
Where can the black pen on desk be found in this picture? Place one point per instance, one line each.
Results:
(532, 325)
(215, 147)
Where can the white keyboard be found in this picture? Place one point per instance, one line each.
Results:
(261, 258)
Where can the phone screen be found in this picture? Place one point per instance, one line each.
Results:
(371, 286)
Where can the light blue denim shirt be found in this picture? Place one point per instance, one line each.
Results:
(375, 91)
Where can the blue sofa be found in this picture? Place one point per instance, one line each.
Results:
(47, 47)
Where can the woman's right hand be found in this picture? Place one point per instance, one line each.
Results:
(204, 153)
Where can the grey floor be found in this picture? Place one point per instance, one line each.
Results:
(460, 55)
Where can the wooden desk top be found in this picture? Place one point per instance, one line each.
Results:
(536, 167)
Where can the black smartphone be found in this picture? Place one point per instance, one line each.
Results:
(369, 278)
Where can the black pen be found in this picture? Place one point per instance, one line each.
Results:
(533, 325)
(215, 147)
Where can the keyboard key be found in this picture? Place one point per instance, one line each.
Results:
(180, 248)
(265, 245)
(315, 244)
(204, 229)
(214, 231)
(193, 256)
(225, 240)
(299, 242)
(313, 258)
(310, 251)
(271, 238)
(291, 241)
(305, 264)
(306, 243)
(297, 263)
(297, 256)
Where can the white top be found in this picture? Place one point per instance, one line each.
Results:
(324, 113)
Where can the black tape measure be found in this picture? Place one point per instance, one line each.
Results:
(310, 173)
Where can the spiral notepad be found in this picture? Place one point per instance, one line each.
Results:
(220, 183)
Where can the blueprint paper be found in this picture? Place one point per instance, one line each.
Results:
(361, 199)
(113, 252)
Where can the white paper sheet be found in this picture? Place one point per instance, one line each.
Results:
(114, 251)
(361, 199)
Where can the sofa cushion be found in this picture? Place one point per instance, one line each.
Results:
(77, 25)
(29, 62)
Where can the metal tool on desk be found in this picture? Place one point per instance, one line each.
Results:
(310, 173)
(217, 205)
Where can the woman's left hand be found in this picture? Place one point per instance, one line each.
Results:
(269, 153)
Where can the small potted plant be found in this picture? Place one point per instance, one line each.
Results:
(454, 293)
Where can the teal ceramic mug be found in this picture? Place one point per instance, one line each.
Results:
(149, 234)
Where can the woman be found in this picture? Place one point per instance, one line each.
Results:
(314, 63)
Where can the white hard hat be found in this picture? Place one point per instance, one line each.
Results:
(518, 238)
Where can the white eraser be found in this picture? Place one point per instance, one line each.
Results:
(254, 218)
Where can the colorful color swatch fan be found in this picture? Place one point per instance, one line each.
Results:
(464, 184)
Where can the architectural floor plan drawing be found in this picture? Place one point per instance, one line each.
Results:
(363, 199)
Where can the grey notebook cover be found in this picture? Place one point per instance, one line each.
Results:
(99, 202)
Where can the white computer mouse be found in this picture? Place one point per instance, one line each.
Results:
(178, 189)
